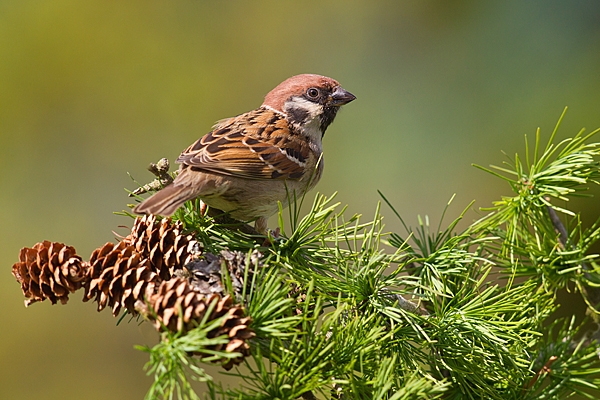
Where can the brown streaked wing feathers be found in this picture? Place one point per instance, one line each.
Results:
(248, 146)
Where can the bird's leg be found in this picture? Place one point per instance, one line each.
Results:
(261, 227)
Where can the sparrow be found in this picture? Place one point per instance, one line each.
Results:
(249, 163)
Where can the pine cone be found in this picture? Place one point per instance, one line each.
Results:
(163, 243)
(237, 329)
(178, 307)
(119, 276)
(49, 270)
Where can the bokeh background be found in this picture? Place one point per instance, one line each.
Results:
(92, 90)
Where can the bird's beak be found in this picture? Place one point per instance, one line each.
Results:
(340, 96)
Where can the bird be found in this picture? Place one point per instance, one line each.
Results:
(247, 164)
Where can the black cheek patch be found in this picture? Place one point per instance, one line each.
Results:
(297, 114)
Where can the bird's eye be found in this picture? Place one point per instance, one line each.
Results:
(312, 93)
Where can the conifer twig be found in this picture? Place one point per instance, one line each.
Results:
(544, 370)
(558, 225)
(593, 293)
(163, 178)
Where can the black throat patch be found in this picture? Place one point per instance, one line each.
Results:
(327, 117)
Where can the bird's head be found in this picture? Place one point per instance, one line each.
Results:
(308, 99)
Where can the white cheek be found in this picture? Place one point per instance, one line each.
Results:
(313, 109)
(312, 125)
(313, 130)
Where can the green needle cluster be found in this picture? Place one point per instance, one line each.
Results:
(343, 309)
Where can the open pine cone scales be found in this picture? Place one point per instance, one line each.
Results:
(123, 273)
(236, 327)
(119, 277)
(177, 306)
(49, 270)
(163, 243)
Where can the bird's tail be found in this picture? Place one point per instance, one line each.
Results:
(166, 201)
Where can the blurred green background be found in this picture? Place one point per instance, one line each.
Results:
(91, 90)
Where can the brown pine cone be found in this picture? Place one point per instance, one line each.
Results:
(163, 243)
(178, 307)
(49, 270)
(119, 276)
(237, 329)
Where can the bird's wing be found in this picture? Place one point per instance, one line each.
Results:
(255, 145)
